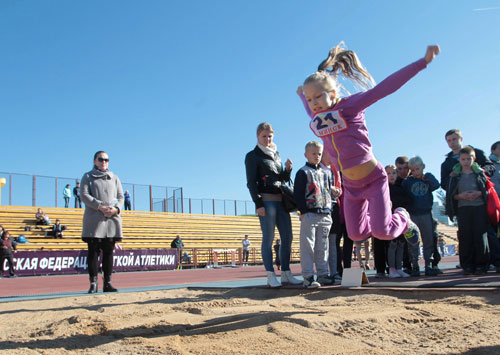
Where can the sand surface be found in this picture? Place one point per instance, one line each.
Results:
(256, 321)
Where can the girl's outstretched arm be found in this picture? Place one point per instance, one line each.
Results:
(300, 92)
(392, 83)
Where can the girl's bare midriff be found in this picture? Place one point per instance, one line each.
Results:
(360, 171)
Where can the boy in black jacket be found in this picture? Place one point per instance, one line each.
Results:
(466, 199)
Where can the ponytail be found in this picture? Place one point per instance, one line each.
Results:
(347, 63)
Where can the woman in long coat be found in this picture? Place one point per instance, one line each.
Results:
(101, 192)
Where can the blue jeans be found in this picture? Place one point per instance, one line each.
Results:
(276, 216)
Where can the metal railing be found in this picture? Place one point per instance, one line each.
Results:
(47, 191)
(206, 206)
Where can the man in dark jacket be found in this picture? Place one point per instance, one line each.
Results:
(454, 140)
(76, 193)
(177, 243)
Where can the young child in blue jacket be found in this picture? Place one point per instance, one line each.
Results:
(419, 187)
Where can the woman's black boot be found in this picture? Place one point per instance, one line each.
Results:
(93, 284)
(107, 285)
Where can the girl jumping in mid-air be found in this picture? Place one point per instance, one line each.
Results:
(340, 122)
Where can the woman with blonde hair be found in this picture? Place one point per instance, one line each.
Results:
(265, 174)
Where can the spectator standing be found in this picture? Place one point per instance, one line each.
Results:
(363, 244)
(7, 245)
(128, 205)
(246, 249)
(313, 194)
(179, 246)
(277, 246)
(495, 159)
(66, 195)
(265, 175)
(466, 199)
(454, 141)
(403, 172)
(344, 253)
(326, 163)
(420, 187)
(102, 194)
(395, 251)
(493, 231)
(76, 193)
(177, 243)
(42, 218)
(441, 245)
(436, 256)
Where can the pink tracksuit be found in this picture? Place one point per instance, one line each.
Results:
(367, 205)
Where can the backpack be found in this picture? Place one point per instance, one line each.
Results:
(493, 205)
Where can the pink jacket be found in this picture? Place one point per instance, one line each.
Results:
(343, 128)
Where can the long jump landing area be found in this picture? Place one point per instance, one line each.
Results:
(42, 287)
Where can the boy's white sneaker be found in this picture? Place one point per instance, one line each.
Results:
(310, 283)
(272, 280)
(288, 278)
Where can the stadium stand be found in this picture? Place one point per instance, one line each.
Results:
(156, 230)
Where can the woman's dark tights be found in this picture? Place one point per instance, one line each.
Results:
(94, 248)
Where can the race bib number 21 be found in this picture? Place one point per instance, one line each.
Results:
(327, 123)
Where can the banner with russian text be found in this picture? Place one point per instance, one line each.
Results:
(45, 262)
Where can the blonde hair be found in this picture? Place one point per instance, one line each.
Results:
(415, 161)
(264, 126)
(314, 144)
(390, 166)
(341, 61)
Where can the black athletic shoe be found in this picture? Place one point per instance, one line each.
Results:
(430, 271)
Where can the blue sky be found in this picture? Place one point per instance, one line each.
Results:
(174, 90)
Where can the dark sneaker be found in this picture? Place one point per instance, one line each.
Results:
(310, 283)
(481, 271)
(325, 281)
(438, 270)
(380, 275)
(468, 271)
(415, 272)
(430, 271)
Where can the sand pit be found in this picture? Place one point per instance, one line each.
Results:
(256, 321)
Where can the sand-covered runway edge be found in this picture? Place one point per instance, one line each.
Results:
(256, 321)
